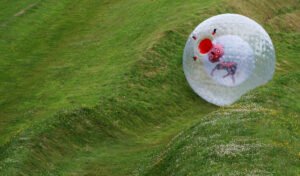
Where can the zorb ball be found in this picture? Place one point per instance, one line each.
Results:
(226, 56)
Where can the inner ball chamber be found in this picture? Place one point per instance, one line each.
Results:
(236, 64)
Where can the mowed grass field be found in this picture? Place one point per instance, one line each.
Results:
(97, 88)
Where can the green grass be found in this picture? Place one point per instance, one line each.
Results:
(67, 54)
(259, 135)
(97, 88)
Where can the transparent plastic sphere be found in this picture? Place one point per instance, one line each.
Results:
(226, 56)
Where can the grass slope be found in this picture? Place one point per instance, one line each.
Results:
(74, 54)
(259, 135)
(139, 85)
(66, 54)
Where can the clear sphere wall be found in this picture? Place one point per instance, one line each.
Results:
(245, 43)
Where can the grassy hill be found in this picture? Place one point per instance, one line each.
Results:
(97, 88)
(259, 135)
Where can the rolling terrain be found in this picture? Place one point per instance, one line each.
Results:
(97, 88)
